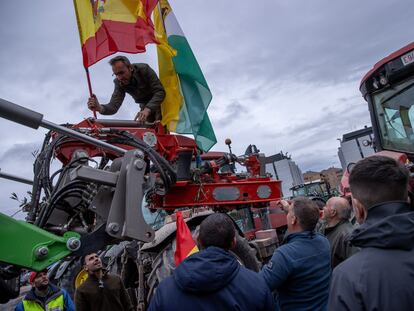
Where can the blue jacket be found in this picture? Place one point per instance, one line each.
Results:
(53, 291)
(381, 275)
(212, 279)
(300, 271)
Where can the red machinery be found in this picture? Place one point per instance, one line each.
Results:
(388, 89)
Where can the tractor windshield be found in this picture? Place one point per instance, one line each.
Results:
(395, 112)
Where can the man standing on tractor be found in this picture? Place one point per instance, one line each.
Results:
(337, 213)
(45, 296)
(213, 279)
(101, 291)
(139, 81)
(300, 269)
(381, 274)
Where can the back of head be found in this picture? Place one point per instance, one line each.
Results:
(307, 213)
(378, 179)
(217, 230)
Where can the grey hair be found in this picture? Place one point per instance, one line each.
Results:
(344, 209)
(119, 58)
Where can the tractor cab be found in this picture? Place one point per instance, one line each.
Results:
(389, 90)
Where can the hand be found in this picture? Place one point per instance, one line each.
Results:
(143, 115)
(284, 205)
(93, 103)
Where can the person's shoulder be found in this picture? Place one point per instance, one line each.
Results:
(19, 306)
(246, 277)
(322, 239)
(140, 66)
(351, 266)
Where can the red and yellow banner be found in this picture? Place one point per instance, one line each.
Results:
(185, 245)
(110, 26)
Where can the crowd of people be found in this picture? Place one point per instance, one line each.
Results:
(325, 263)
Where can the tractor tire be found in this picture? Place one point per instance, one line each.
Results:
(9, 289)
(67, 280)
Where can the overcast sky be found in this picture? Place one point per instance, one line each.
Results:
(284, 74)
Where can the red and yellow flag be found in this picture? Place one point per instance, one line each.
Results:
(185, 245)
(110, 26)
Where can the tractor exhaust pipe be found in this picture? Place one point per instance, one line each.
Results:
(33, 119)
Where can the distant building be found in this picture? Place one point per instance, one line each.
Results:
(283, 168)
(355, 146)
(333, 175)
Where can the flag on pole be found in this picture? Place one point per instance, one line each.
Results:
(185, 245)
(110, 26)
(188, 96)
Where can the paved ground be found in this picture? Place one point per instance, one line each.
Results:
(12, 303)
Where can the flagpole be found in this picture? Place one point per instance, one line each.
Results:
(90, 88)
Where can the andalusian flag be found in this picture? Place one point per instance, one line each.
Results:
(184, 109)
(110, 26)
(185, 245)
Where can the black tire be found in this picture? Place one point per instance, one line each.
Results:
(9, 289)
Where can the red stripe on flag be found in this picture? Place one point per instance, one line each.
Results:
(114, 37)
(184, 240)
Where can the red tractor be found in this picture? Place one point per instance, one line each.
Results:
(113, 172)
(388, 89)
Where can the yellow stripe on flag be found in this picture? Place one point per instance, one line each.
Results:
(193, 251)
(170, 107)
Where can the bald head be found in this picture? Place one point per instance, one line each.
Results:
(336, 210)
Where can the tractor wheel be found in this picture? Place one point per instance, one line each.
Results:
(68, 279)
(9, 289)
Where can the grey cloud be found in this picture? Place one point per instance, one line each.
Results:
(231, 113)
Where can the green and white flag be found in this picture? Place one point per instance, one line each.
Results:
(188, 96)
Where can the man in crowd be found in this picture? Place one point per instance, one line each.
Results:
(300, 268)
(101, 291)
(45, 296)
(139, 81)
(337, 214)
(381, 274)
(213, 279)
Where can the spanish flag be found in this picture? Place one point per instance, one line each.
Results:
(110, 26)
(185, 245)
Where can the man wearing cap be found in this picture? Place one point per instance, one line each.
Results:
(45, 296)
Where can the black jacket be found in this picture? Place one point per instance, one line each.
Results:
(338, 236)
(381, 275)
(145, 88)
(212, 280)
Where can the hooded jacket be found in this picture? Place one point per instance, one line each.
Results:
(212, 279)
(381, 275)
(300, 271)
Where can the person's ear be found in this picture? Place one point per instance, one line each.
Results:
(359, 210)
(294, 220)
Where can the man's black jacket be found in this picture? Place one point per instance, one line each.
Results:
(381, 275)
